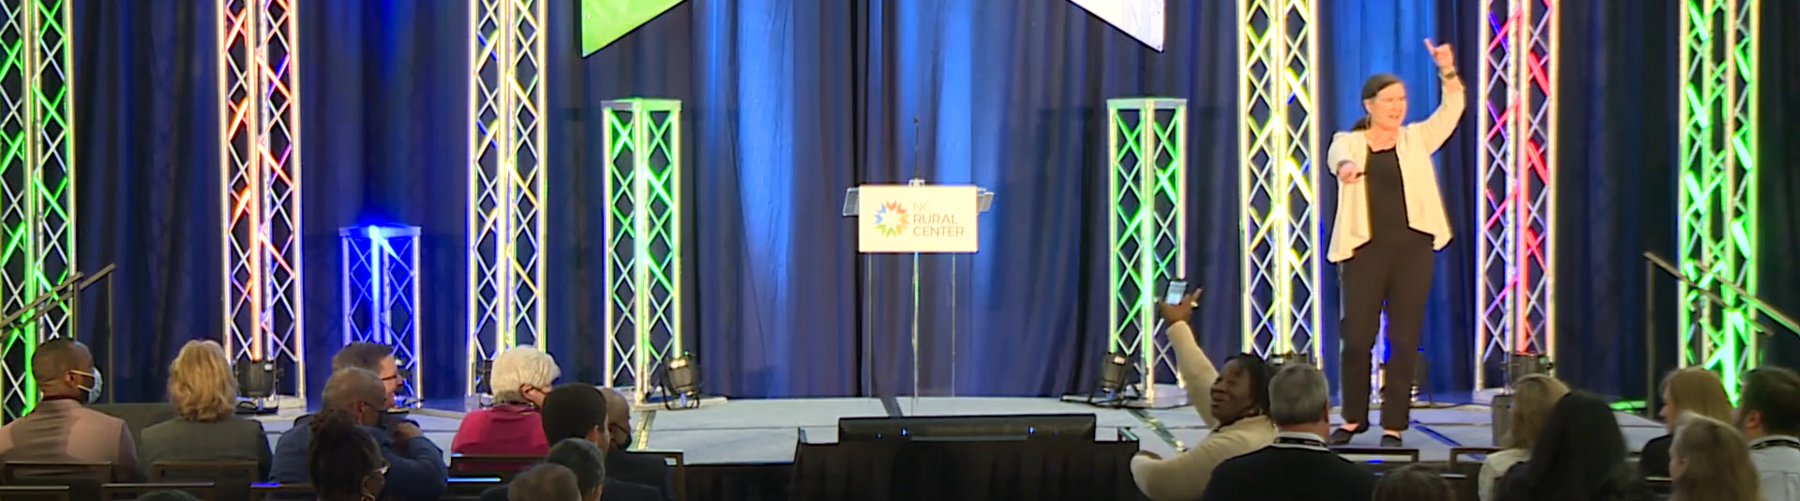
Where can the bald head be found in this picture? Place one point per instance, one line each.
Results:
(351, 389)
(618, 418)
(55, 363)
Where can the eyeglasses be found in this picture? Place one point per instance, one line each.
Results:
(382, 470)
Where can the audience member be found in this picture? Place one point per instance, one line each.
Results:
(645, 469)
(1690, 389)
(1578, 456)
(1233, 403)
(575, 410)
(1533, 397)
(416, 471)
(1297, 466)
(343, 460)
(61, 428)
(520, 378)
(1769, 415)
(1711, 462)
(583, 458)
(372, 357)
(204, 391)
(167, 496)
(544, 482)
(1413, 483)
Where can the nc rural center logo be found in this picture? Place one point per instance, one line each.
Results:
(893, 219)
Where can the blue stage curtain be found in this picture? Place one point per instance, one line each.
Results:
(385, 141)
(146, 124)
(1616, 140)
(1780, 182)
(1042, 74)
(766, 123)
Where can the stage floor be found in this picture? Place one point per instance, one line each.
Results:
(765, 431)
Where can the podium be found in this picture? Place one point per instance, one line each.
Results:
(915, 219)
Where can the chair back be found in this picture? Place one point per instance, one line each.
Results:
(230, 479)
(677, 470)
(83, 479)
(34, 492)
(472, 487)
(504, 466)
(202, 490)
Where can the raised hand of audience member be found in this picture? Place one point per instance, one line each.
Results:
(1180, 311)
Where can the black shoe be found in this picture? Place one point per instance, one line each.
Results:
(1341, 436)
(1390, 441)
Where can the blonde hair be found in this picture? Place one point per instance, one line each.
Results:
(1697, 390)
(1533, 397)
(201, 383)
(1717, 460)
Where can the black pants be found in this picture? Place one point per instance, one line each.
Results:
(1389, 275)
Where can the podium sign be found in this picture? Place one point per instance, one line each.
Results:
(923, 219)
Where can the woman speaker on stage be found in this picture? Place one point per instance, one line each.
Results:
(1390, 219)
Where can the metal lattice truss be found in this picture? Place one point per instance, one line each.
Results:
(506, 179)
(643, 240)
(1278, 142)
(260, 172)
(1147, 144)
(381, 296)
(1517, 174)
(1718, 184)
(37, 182)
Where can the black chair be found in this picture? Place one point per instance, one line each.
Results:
(83, 480)
(504, 466)
(231, 479)
(34, 492)
(677, 470)
(203, 490)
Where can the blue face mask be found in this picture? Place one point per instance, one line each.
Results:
(93, 391)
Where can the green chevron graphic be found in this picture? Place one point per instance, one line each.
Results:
(606, 21)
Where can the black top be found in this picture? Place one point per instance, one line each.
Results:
(1387, 195)
(1516, 485)
(1654, 462)
(1269, 474)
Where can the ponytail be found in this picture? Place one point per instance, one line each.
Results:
(1361, 124)
(341, 455)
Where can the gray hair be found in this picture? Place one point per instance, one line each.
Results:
(1298, 395)
(521, 366)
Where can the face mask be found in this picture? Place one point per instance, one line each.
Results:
(93, 392)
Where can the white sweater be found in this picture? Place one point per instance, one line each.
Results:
(1185, 476)
(1424, 206)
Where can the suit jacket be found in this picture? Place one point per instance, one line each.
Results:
(615, 490)
(64, 430)
(229, 439)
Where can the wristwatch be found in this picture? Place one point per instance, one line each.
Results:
(1447, 74)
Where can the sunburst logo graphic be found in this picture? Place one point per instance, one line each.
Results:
(890, 219)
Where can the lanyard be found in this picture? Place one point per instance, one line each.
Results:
(1779, 442)
(1301, 441)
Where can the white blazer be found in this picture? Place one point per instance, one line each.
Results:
(1424, 205)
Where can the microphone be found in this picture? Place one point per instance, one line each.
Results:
(915, 148)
